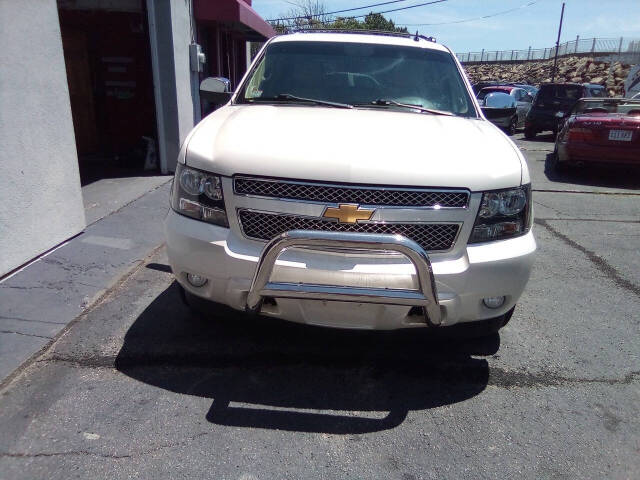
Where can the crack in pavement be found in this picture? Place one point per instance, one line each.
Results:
(601, 264)
(588, 192)
(58, 286)
(513, 378)
(555, 210)
(25, 334)
(29, 320)
(112, 456)
(559, 219)
(35, 287)
(448, 372)
(57, 454)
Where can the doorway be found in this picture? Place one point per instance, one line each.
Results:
(109, 74)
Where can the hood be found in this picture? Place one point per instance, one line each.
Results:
(368, 146)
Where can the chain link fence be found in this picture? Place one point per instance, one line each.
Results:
(626, 50)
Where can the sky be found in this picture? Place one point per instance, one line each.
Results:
(534, 25)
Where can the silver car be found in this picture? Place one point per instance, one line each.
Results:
(523, 100)
(501, 110)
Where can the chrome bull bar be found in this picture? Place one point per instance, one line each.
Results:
(425, 296)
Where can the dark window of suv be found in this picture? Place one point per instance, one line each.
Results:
(563, 94)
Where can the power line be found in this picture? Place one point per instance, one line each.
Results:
(337, 11)
(364, 15)
(398, 9)
(503, 12)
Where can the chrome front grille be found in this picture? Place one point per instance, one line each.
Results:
(265, 226)
(362, 195)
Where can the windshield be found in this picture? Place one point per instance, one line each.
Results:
(485, 91)
(499, 100)
(561, 92)
(358, 74)
(529, 88)
(597, 92)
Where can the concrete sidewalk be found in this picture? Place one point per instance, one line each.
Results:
(105, 196)
(39, 301)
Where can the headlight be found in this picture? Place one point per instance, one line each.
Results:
(198, 195)
(503, 214)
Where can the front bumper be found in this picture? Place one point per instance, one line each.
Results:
(229, 261)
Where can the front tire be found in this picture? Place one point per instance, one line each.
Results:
(529, 133)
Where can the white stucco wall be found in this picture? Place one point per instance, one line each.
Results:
(40, 196)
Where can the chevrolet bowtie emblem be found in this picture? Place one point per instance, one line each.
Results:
(346, 213)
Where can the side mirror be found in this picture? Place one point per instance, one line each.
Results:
(216, 90)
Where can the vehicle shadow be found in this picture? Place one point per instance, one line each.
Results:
(271, 374)
(611, 176)
(547, 137)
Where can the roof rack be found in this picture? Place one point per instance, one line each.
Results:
(388, 33)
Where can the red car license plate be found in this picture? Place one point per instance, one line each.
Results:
(620, 135)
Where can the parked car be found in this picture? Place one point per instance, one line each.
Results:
(552, 103)
(490, 83)
(501, 110)
(350, 181)
(599, 131)
(529, 88)
(520, 95)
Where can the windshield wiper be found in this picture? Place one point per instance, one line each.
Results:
(294, 98)
(384, 102)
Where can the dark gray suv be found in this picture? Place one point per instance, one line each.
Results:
(552, 103)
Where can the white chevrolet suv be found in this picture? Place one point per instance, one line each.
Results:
(352, 181)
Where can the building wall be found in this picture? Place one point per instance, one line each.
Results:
(40, 197)
(171, 21)
(187, 97)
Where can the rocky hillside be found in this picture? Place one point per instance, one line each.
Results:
(570, 69)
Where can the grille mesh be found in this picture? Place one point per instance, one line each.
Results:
(391, 196)
(265, 226)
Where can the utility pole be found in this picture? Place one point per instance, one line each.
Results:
(555, 59)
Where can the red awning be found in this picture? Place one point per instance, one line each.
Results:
(235, 12)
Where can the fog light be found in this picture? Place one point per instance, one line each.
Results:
(196, 280)
(493, 302)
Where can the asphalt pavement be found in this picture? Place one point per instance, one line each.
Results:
(138, 387)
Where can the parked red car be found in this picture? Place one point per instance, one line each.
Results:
(599, 131)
